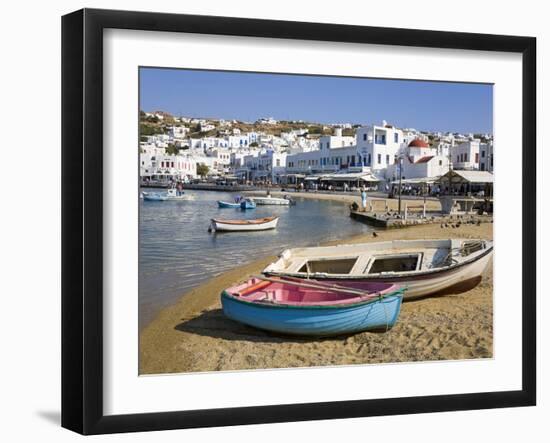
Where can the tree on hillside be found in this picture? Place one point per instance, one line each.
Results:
(145, 129)
(202, 169)
(253, 145)
(315, 129)
(172, 149)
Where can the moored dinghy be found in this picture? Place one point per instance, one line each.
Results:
(223, 204)
(425, 267)
(312, 309)
(259, 224)
(271, 201)
(175, 194)
(154, 197)
(248, 204)
(171, 194)
(236, 203)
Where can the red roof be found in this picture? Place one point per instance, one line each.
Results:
(418, 143)
(425, 159)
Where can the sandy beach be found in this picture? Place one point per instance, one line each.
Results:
(194, 336)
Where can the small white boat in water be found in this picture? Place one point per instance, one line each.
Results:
(170, 194)
(271, 201)
(259, 224)
(424, 267)
(174, 194)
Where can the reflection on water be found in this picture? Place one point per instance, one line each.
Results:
(177, 253)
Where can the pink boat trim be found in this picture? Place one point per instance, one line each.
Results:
(287, 294)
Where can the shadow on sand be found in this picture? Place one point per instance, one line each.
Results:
(215, 324)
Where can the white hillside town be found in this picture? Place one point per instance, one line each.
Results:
(270, 152)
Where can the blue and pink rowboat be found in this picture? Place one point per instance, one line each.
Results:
(312, 308)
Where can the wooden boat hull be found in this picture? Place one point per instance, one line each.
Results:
(220, 225)
(222, 204)
(448, 279)
(320, 321)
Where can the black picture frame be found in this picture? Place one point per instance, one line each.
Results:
(82, 216)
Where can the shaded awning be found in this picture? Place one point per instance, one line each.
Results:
(416, 181)
(459, 176)
(350, 176)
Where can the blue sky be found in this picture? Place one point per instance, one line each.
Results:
(437, 106)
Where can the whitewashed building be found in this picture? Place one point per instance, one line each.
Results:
(205, 127)
(334, 152)
(267, 121)
(466, 155)
(374, 148)
(419, 160)
(486, 156)
(221, 159)
(378, 146)
(265, 165)
(178, 132)
(179, 167)
(429, 166)
(336, 141)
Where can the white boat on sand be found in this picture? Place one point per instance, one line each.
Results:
(259, 224)
(425, 267)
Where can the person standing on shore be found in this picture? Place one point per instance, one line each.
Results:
(364, 198)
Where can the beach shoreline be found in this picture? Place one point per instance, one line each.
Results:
(193, 335)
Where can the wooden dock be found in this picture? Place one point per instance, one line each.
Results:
(382, 220)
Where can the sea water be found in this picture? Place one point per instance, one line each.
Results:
(177, 253)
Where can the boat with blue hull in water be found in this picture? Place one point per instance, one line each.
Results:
(248, 204)
(312, 309)
(154, 197)
(222, 204)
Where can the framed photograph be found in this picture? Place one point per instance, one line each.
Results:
(269, 221)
